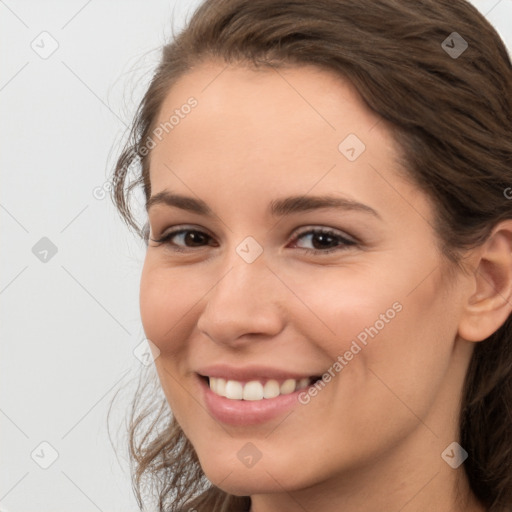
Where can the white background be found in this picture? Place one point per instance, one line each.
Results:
(69, 325)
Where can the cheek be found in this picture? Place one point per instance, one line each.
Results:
(393, 330)
(164, 303)
(152, 306)
(345, 305)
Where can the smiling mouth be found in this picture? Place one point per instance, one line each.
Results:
(255, 390)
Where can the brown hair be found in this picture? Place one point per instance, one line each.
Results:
(451, 116)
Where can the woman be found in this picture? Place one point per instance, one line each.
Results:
(328, 278)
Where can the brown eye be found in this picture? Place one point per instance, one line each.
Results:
(185, 238)
(322, 241)
(195, 238)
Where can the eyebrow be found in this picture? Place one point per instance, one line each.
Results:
(295, 204)
(183, 202)
(277, 208)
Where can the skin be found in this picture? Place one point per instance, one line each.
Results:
(373, 438)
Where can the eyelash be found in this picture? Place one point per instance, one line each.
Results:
(344, 244)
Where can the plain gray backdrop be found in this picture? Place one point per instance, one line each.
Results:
(72, 74)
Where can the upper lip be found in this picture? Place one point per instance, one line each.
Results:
(248, 373)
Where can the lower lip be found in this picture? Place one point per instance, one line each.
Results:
(247, 412)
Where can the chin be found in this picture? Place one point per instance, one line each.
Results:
(265, 477)
(249, 482)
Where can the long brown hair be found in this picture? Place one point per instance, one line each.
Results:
(451, 115)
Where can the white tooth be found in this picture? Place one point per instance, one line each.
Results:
(234, 390)
(303, 383)
(221, 387)
(288, 386)
(253, 390)
(271, 389)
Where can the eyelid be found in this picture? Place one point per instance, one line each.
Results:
(347, 239)
(178, 229)
(325, 229)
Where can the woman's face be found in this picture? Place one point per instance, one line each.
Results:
(302, 254)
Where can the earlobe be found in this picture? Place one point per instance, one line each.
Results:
(490, 303)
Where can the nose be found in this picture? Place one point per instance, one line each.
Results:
(243, 305)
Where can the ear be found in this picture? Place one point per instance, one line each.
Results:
(490, 302)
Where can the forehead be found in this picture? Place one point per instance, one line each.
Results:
(299, 102)
(244, 131)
